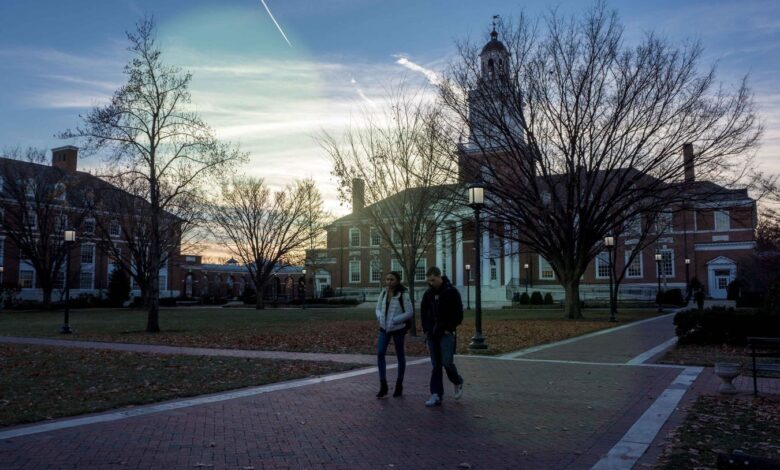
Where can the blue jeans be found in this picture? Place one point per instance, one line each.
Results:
(381, 349)
(442, 351)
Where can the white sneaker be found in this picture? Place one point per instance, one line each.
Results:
(459, 390)
(433, 401)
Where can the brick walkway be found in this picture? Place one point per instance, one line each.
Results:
(515, 414)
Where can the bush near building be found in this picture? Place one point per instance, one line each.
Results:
(536, 298)
(721, 325)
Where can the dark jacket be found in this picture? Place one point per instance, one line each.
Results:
(442, 314)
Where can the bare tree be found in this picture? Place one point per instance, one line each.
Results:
(123, 229)
(40, 203)
(151, 135)
(576, 132)
(402, 159)
(266, 231)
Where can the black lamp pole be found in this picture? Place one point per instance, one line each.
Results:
(468, 287)
(609, 242)
(687, 280)
(303, 291)
(527, 276)
(476, 201)
(658, 258)
(69, 237)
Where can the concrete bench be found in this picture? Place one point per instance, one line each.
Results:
(764, 347)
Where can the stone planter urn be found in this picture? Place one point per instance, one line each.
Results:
(727, 371)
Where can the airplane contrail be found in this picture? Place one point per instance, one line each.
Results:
(274, 20)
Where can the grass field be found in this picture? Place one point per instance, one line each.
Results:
(40, 383)
(346, 330)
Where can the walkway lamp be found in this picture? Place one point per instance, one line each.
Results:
(303, 289)
(2, 291)
(609, 242)
(658, 258)
(69, 236)
(687, 280)
(468, 287)
(477, 202)
(527, 276)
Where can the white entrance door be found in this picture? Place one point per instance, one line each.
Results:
(321, 281)
(720, 272)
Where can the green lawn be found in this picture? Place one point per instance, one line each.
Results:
(347, 330)
(40, 383)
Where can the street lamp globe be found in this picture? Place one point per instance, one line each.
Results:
(70, 235)
(476, 194)
(687, 261)
(609, 242)
(659, 257)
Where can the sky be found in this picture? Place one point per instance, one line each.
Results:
(272, 92)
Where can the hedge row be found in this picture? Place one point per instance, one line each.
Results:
(721, 325)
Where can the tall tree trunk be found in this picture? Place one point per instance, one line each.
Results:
(46, 291)
(571, 305)
(153, 317)
(260, 301)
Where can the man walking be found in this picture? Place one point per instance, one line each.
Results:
(441, 313)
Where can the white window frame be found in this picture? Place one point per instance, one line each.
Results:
(354, 274)
(114, 228)
(88, 227)
(395, 235)
(637, 259)
(420, 270)
(375, 271)
(544, 265)
(375, 235)
(602, 262)
(353, 232)
(664, 222)
(90, 246)
(666, 262)
(721, 221)
(60, 190)
(91, 283)
(493, 269)
(31, 219)
(634, 225)
(395, 265)
(26, 266)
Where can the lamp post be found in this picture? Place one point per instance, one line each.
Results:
(477, 201)
(2, 291)
(609, 242)
(69, 238)
(468, 287)
(527, 276)
(658, 258)
(687, 280)
(303, 291)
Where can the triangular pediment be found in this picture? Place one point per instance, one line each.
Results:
(721, 260)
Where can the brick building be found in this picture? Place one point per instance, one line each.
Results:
(706, 239)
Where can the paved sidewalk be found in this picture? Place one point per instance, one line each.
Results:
(515, 414)
(159, 349)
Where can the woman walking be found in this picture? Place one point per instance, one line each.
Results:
(393, 312)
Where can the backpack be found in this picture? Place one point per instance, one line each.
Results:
(407, 323)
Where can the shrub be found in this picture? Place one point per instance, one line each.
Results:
(536, 298)
(674, 297)
(721, 325)
(118, 288)
(167, 301)
(524, 298)
(548, 299)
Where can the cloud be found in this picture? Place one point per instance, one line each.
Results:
(432, 77)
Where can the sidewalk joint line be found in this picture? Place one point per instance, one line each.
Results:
(647, 355)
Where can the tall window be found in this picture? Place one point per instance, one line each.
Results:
(354, 237)
(31, 219)
(663, 222)
(59, 190)
(545, 270)
(493, 270)
(86, 279)
(61, 224)
(376, 238)
(87, 253)
(354, 271)
(602, 265)
(634, 225)
(26, 278)
(375, 270)
(114, 229)
(667, 263)
(722, 221)
(396, 235)
(2, 251)
(163, 278)
(59, 279)
(89, 225)
(395, 265)
(420, 270)
(635, 268)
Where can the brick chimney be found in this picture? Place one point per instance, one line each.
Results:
(688, 166)
(358, 195)
(65, 158)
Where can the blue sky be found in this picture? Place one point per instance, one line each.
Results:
(58, 58)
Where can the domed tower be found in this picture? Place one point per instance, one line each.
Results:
(492, 122)
(494, 58)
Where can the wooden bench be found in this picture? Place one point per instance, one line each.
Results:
(764, 347)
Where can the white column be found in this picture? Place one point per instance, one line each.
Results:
(485, 248)
(506, 260)
(459, 279)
